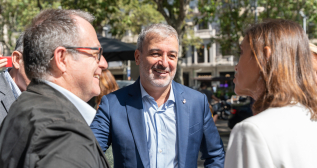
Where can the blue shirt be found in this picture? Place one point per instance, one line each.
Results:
(160, 123)
(15, 89)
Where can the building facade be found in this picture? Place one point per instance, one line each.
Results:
(206, 61)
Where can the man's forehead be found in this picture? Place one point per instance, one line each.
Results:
(157, 37)
(86, 32)
(154, 39)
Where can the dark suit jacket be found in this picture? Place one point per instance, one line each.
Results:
(120, 121)
(6, 97)
(44, 129)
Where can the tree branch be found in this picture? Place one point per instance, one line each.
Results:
(160, 9)
(182, 11)
(39, 5)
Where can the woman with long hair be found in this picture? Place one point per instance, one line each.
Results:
(276, 70)
(313, 49)
(107, 85)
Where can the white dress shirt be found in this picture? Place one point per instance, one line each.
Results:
(160, 123)
(14, 87)
(85, 109)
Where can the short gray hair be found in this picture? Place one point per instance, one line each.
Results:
(161, 29)
(49, 29)
(19, 43)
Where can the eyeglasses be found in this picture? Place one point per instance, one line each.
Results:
(82, 49)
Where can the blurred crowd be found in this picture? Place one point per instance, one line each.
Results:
(57, 67)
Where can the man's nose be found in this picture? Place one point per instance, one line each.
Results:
(103, 64)
(164, 60)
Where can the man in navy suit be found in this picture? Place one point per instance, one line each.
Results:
(157, 122)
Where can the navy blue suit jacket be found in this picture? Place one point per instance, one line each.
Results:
(120, 122)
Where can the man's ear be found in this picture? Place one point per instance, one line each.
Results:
(267, 52)
(137, 57)
(59, 59)
(16, 59)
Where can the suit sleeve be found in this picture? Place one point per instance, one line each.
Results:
(101, 124)
(63, 144)
(247, 148)
(211, 145)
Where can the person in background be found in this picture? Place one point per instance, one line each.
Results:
(210, 96)
(209, 93)
(157, 122)
(275, 69)
(13, 80)
(107, 84)
(48, 125)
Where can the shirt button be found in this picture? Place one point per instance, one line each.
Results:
(160, 131)
(160, 150)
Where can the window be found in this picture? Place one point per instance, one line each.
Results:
(203, 25)
(208, 52)
(192, 54)
(200, 54)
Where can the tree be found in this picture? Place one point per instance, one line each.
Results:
(15, 14)
(232, 17)
(289, 9)
(132, 17)
(101, 9)
(235, 16)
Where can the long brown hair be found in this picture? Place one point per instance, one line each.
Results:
(287, 73)
(313, 49)
(107, 84)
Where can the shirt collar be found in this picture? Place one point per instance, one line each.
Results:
(170, 97)
(14, 87)
(85, 109)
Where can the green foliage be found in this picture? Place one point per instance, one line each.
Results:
(132, 17)
(189, 39)
(101, 9)
(15, 15)
(289, 9)
(121, 15)
(234, 16)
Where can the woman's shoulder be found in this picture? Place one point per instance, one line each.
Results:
(278, 113)
(281, 131)
(278, 119)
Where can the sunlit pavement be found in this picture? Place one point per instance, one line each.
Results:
(224, 132)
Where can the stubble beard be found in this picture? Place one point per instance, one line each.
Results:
(157, 82)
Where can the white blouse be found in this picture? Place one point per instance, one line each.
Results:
(283, 137)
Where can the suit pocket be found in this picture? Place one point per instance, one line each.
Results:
(195, 128)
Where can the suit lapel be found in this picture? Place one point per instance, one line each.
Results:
(5, 90)
(136, 120)
(182, 120)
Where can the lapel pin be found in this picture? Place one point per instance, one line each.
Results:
(184, 101)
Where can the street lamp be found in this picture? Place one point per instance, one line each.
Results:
(304, 19)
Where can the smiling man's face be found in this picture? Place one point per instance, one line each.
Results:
(84, 72)
(158, 60)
